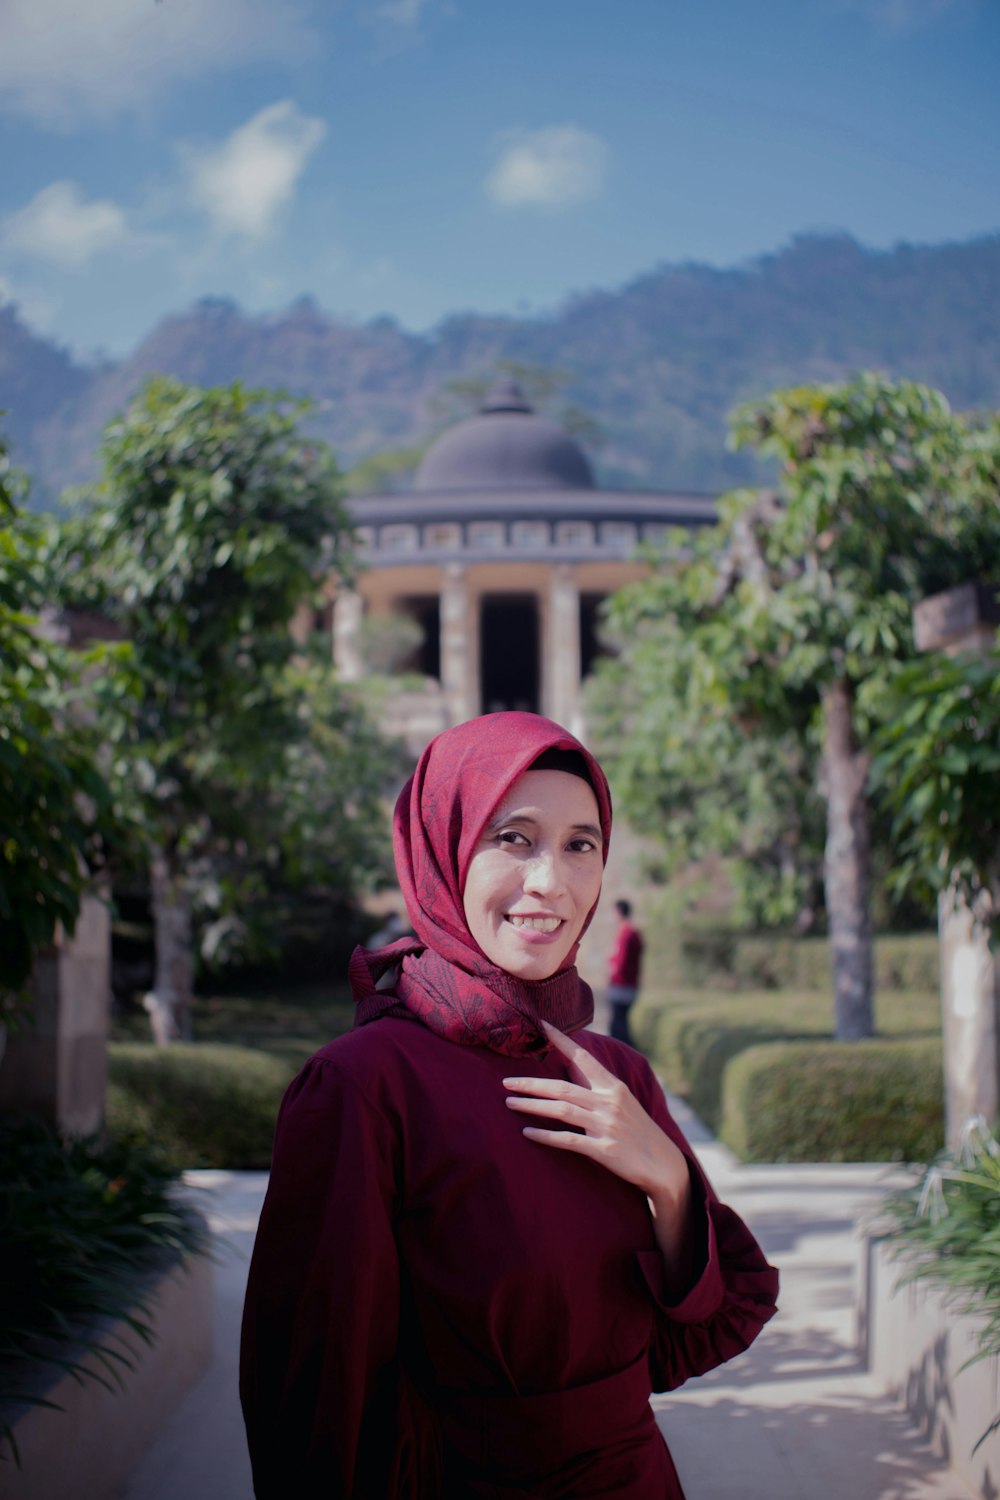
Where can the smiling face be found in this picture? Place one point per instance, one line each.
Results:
(535, 874)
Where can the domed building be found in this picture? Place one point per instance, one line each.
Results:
(502, 553)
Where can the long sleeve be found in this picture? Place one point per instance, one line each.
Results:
(318, 1378)
(733, 1292)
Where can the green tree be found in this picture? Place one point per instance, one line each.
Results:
(793, 614)
(214, 523)
(692, 774)
(56, 808)
(387, 472)
(937, 764)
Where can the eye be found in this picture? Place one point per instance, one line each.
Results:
(581, 846)
(511, 836)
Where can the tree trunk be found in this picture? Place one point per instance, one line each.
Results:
(169, 1001)
(970, 1006)
(847, 867)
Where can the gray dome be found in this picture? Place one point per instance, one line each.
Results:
(505, 447)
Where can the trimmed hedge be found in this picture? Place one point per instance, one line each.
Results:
(722, 958)
(202, 1104)
(835, 1101)
(705, 1049)
(884, 1097)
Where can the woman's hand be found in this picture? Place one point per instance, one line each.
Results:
(615, 1131)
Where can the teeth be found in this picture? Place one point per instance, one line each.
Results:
(537, 924)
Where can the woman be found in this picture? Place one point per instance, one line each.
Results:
(485, 1241)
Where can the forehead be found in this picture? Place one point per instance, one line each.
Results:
(554, 795)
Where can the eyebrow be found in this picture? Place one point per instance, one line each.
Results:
(518, 817)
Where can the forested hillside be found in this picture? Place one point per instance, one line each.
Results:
(658, 363)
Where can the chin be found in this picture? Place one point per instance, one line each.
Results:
(535, 970)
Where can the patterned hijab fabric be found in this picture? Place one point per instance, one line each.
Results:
(445, 979)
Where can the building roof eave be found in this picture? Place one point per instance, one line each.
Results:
(670, 507)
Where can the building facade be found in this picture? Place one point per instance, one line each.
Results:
(502, 553)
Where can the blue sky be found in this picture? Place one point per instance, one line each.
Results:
(421, 157)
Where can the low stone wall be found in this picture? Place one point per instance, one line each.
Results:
(916, 1345)
(89, 1448)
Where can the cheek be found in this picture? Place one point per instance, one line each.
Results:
(481, 892)
(588, 892)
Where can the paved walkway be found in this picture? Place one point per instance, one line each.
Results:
(796, 1418)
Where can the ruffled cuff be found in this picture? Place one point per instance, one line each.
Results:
(705, 1294)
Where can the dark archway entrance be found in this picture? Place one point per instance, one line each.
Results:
(508, 652)
(591, 646)
(426, 610)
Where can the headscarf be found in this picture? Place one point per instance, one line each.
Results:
(446, 981)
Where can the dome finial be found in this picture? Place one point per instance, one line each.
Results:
(505, 446)
(505, 395)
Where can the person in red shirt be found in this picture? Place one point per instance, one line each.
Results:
(624, 966)
(485, 1240)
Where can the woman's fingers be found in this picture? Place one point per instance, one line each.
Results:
(585, 1064)
(553, 1109)
(563, 1140)
(614, 1128)
(610, 1126)
(548, 1088)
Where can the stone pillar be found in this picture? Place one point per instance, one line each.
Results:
(56, 1064)
(459, 642)
(348, 608)
(964, 621)
(561, 657)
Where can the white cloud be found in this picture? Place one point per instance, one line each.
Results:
(554, 167)
(904, 15)
(244, 183)
(907, 15)
(62, 61)
(401, 12)
(33, 308)
(60, 226)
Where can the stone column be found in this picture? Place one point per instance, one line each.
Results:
(458, 647)
(964, 621)
(561, 657)
(56, 1064)
(348, 608)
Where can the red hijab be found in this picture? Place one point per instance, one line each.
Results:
(446, 981)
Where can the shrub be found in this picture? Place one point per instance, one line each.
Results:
(947, 1230)
(908, 963)
(725, 959)
(82, 1223)
(693, 1036)
(204, 1105)
(707, 1048)
(835, 1101)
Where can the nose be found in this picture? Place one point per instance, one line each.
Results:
(543, 874)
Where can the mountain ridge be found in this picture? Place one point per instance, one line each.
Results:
(658, 362)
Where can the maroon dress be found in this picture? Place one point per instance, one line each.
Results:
(438, 1307)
